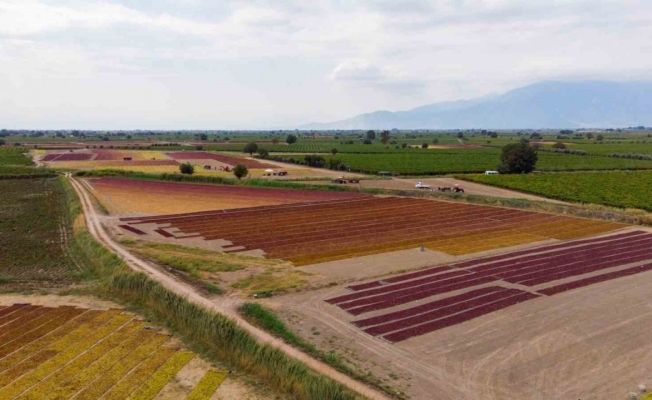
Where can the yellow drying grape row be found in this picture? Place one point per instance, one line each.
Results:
(51, 383)
(85, 376)
(162, 376)
(62, 358)
(208, 384)
(119, 370)
(132, 381)
(48, 330)
(29, 357)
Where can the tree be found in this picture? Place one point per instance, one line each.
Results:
(404, 145)
(600, 137)
(240, 171)
(493, 135)
(435, 141)
(384, 137)
(558, 145)
(424, 145)
(274, 140)
(291, 139)
(371, 135)
(518, 158)
(589, 136)
(203, 136)
(460, 135)
(2, 142)
(250, 148)
(187, 168)
(263, 153)
(314, 160)
(333, 151)
(367, 141)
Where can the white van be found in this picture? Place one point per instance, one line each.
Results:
(491, 173)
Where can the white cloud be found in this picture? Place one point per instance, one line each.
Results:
(227, 63)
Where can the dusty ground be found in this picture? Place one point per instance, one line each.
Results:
(589, 343)
(469, 187)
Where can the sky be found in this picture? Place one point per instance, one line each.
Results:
(200, 64)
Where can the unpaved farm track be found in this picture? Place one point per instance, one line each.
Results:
(191, 294)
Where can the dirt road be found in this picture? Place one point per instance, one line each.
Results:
(225, 307)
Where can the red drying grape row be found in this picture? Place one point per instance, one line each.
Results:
(11, 309)
(443, 278)
(457, 318)
(132, 229)
(440, 313)
(235, 212)
(485, 260)
(556, 255)
(563, 259)
(163, 233)
(548, 276)
(400, 278)
(595, 279)
(433, 305)
(232, 161)
(388, 301)
(240, 219)
(68, 157)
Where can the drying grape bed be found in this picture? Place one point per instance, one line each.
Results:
(477, 287)
(68, 352)
(327, 231)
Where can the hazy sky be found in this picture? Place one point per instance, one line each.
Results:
(265, 64)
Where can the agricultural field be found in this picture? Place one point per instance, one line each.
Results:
(33, 215)
(446, 161)
(350, 227)
(155, 197)
(14, 156)
(66, 351)
(623, 189)
(540, 268)
(511, 317)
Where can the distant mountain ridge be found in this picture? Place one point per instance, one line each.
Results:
(591, 104)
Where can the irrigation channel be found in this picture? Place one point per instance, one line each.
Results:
(191, 294)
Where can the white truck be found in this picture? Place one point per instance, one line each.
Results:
(421, 185)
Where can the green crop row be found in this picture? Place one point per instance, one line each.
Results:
(623, 189)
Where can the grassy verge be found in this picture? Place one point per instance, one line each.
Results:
(267, 320)
(213, 335)
(264, 183)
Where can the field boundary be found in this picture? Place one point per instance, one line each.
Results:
(161, 288)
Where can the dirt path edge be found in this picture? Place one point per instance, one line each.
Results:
(191, 294)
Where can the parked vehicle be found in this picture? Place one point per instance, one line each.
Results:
(421, 185)
(492, 173)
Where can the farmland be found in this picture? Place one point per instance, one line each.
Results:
(533, 268)
(13, 156)
(61, 352)
(33, 216)
(313, 233)
(127, 195)
(623, 189)
(438, 162)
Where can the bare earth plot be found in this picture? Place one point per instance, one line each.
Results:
(559, 321)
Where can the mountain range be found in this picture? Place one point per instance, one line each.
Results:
(589, 104)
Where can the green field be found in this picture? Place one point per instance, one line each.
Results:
(437, 162)
(14, 156)
(34, 231)
(624, 189)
